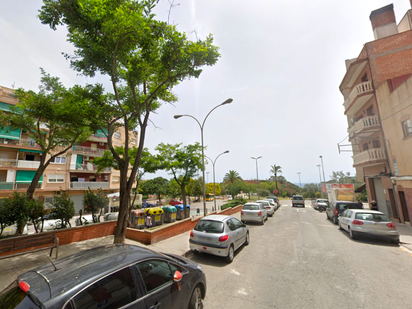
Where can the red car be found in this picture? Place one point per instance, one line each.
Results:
(173, 202)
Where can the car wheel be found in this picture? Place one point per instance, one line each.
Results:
(196, 301)
(230, 254)
(334, 220)
(247, 241)
(395, 241)
(352, 234)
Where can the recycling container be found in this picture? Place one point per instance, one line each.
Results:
(157, 215)
(169, 214)
(137, 217)
(179, 212)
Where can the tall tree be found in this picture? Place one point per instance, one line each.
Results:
(231, 177)
(144, 58)
(182, 162)
(55, 117)
(158, 185)
(275, 169)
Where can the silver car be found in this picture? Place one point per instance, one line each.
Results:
(219, 235)
(270, 208)
(253, 212)
(368, 223)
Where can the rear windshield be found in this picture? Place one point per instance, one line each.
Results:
(14, 297)
(251, 207)
(343, 206)
(372, 217)
(299, 198)
(209, 226)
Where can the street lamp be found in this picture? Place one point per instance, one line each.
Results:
(214, 183)
(300, 185)
(257, 174)
(320, 177)
(323, 171)
(203, 149)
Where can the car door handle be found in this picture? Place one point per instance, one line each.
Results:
(155, 306)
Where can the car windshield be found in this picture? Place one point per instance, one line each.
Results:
(298, 198)
(251, 207)
(322, 201)
(372, 217)
(209, 226)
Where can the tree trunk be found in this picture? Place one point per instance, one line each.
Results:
(121, 227)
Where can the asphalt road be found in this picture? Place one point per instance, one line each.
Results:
(298, 259)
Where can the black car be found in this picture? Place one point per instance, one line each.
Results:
(111, 276)
(335, 209)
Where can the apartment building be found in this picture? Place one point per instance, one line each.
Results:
(377, 90)
(73, 172)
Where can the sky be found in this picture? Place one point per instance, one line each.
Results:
(281, 62)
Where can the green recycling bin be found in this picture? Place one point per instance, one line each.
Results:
(157, 215)
(137, 217)
(169, 214)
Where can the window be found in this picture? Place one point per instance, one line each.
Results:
(116, 179)
(59, 160)
(407, 128)
(117, 135)
(56, 178)
(155, 273)
(113, 291)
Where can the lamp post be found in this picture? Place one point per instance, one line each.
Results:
(300, 185)
(323, 171)
(214, 182)
(320, 177)
(257, 174)
(203, 149)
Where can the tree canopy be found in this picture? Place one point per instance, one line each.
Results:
(144, 59)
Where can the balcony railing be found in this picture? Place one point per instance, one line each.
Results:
(84, 185)
(88, 151)
(28, 164)
(365, 124)
(369, 156)
(25, 186)
(6, 186)
(8, 163)
(88, 167)
(358, 90)
(21, 142)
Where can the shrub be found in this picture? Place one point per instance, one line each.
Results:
(233, 203)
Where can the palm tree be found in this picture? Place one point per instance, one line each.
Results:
(275, 170)
(231, 177)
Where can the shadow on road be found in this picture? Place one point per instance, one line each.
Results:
(210, 260)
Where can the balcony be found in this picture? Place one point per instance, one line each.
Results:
(28, 164)
(8, 163)
(365, 127)
(359, 95)
(88, 151)
(19, 142)
(88, 167)
(6, 186)
(370, 157)
(84, 185)
(25, 186)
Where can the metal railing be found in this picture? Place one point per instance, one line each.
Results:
(88, 151)
(6, 186)
(83, 185)
(8, 162)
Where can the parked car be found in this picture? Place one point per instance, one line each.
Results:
(337, 207)
(10, 230)
(87, 219)
(275, 199)
(272, 203)
(111, 276)
(372, 223)
(270, 208)
(298, 200)
(253, 212)
(219, 235)
(49, 223)
(174, 202)
(320, 201)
